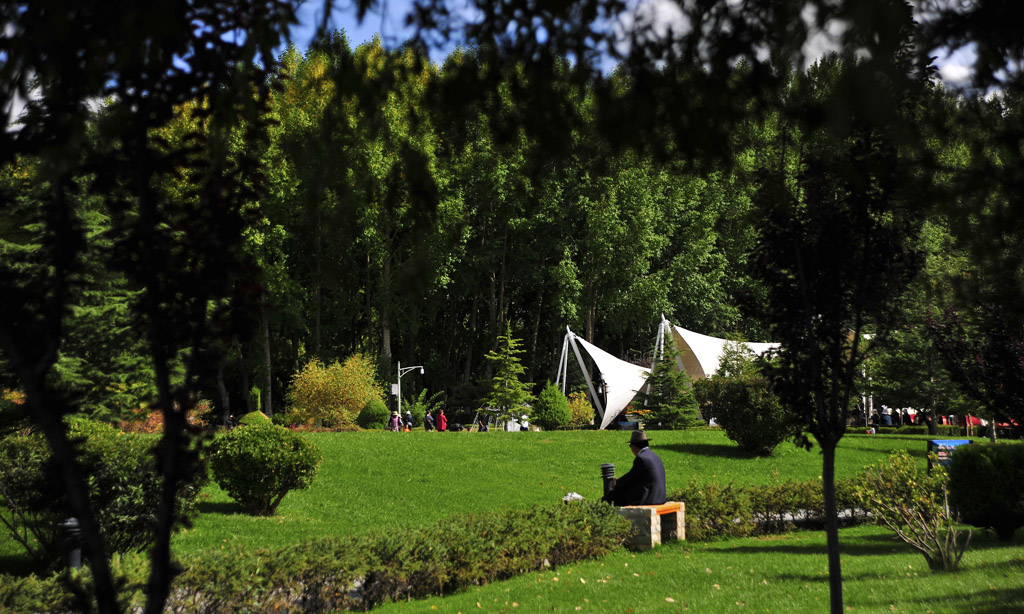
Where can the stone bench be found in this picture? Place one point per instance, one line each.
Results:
(653, 524)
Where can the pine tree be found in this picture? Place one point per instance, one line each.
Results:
(508, 393)
(669, 394)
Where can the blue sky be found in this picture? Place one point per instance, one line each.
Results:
(387, 21)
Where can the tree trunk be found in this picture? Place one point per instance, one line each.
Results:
(268, 376)
(468, 371)
(828, 486)
(385, 317)
(246, 388)
(317, 287)
(225, 400)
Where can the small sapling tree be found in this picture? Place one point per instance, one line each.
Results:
(669, 394)
(508, 393)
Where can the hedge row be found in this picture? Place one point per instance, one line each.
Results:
(726, 511)
(358, 573)
(944, 430)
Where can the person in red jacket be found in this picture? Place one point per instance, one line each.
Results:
(442, 421)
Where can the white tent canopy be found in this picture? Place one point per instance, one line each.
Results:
(622, 380)
(701, 355)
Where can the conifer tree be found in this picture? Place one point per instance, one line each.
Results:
(508, 393)
(669, 395)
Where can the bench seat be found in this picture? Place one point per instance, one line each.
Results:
(653, 524)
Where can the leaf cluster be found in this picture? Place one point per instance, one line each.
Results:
(123, 488)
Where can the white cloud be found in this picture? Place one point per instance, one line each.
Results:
(955, 73)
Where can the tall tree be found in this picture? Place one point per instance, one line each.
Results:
(835, 252)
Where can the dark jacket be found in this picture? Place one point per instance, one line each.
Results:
(644, 484)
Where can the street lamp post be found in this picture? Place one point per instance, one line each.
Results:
(398, 389)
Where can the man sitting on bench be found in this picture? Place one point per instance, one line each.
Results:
(644, 484)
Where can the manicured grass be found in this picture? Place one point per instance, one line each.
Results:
(376, 480)
(781, 573)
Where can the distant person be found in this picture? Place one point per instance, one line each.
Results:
(394, 422)
(886, 416)
(481, 424)
(644, 484)
(428, 422)
(408, 420)
(442, 421)
(524, 423)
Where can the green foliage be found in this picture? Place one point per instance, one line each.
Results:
(258, 464)
(669, 394)
(741, 399)
(420, 405)
(374, 415)
(253, 417)
(332, 574)
(551, 409)
(915, 505)
(124, 489)
(333, 396)
(986, 486)
(508, 393)
(580, 410)
(714, 511)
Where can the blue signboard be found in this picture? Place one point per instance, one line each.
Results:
(943, 448)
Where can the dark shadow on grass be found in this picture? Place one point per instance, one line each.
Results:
(705, 449)
(1003, 601)
(220, 507)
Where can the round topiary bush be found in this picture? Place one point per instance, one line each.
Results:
(986, 485)
(551, 409)
(374, 415)
(258, 464)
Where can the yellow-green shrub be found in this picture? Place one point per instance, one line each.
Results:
(580, 409)
(332, 396)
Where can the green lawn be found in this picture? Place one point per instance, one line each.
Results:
(371, 481)
(782, 573)
(375, 480)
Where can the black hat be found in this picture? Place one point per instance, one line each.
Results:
(638, 438)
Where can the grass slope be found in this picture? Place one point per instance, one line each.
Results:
(376, 480)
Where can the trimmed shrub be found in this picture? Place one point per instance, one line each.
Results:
(986, 485)
(580, 410)
(914, 505)
(551, 410)
(332, 396)
(714, 511)
(124, 488)
(374, 415)
(743, 403)
(774, 507)
(254, 417)
(329, 575)
(257, 465)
